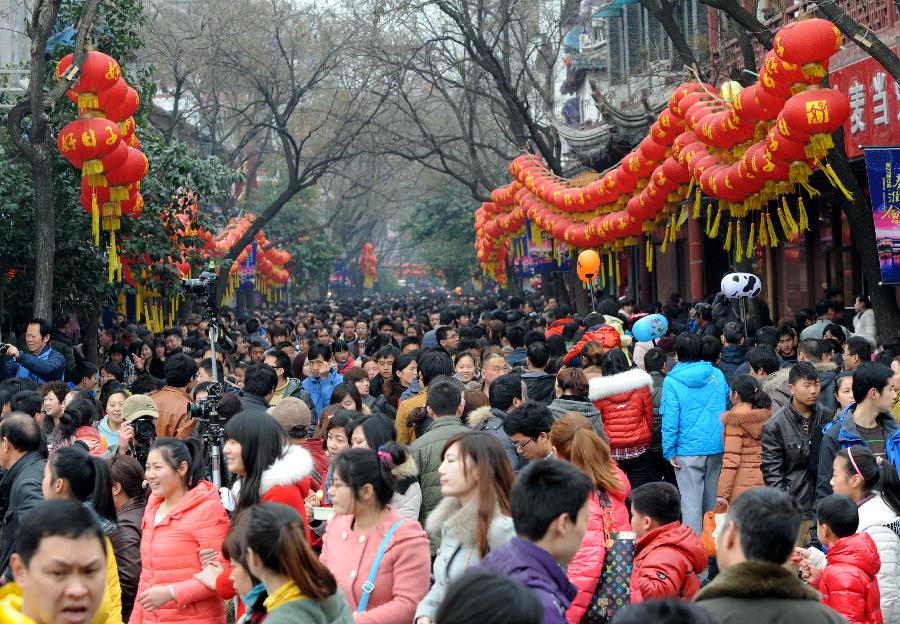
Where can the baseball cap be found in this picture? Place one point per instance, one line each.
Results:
(138, 405)
(291, 413)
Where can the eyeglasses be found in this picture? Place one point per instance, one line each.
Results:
(520, 446)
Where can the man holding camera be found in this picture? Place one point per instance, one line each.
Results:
(41, 364)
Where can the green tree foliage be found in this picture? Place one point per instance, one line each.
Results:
(442, 235)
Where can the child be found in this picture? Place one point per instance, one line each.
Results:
(549, 502)
(667, 554)
(847, 584)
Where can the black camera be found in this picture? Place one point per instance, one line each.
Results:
(203, 286)
(207, 410)
(4, 348)
(144, 430)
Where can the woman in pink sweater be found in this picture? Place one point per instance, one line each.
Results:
(184, 514)
(362, 487)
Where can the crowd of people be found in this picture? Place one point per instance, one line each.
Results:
(453, 459)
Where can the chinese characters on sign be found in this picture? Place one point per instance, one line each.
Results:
(247, 269)
(874, 105)
(883, 169)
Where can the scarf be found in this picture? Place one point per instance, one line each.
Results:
(289, 592)
(252, 596)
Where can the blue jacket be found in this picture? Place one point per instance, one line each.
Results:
(534, 568)
(48, 365)
(693, 397)
(320, 390)
(842, 433)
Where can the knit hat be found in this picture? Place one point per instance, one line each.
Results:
(138, 405)
(291, 413)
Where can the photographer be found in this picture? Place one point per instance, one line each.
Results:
(41, 364)
(172, 401)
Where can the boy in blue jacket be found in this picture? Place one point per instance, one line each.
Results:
(324, 377)
(694, 396)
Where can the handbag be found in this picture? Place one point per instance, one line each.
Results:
(613, 591)
(369, 586)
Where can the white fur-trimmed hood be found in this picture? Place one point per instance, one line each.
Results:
(602, 387)
(294, 465)
(479, 415)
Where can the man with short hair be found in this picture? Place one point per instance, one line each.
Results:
(255, 351)
(787, 343)
(825, 315)
(321, 383)
(811, 351)
(734, 351)
(41, 364)
(868, 422)
(286, 386)
(549, 504)
(259, 386)
(856, 351)
(791, 440)
(59, 566)
(431, 365)
(20, 487)
(668, 556)
(541, 385)
(384, 359)
(86, 376)
(753, 584)
(493, 365)
(172, 401)
(447, 338)
(528, 427)
(519, 355)
(506, 393)
(444, 405)
(694, 396)
(174, 341)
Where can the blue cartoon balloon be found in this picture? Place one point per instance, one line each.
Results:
(650, 327)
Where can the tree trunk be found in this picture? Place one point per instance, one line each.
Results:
(90, 336)
(44, 230)
(581, 295)
(862, 227)
(661, 11)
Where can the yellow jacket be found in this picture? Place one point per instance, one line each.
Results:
(110, 611)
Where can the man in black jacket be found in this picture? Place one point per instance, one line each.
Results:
(259, 387)
(20, 488)
(541, 385)
(791, 440)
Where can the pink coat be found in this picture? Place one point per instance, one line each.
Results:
(169, 556)
(585, 569)
(402, 579)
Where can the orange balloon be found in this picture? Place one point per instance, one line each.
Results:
(588, 265)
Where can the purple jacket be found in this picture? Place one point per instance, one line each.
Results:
(534, 568)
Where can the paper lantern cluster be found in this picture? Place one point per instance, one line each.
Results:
(272, 274)
(744, 150)
(102, 144)
(368, 265)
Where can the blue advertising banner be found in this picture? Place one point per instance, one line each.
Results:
(883, 169)
(247, 269)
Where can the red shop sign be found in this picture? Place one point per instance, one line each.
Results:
(874, 105)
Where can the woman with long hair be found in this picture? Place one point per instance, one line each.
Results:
(157, 364)
(54, 394)
(465, 367)
(118, 434)
(574, 440)
(377, 434)
(572, 396)
(184, 514)
(875, 488)
(300, 587)
(750, 409)
(403, 373)
(130, 499)
(622, 396)
(473, 517)
(364, 525)
(360, 378)
(72, 474)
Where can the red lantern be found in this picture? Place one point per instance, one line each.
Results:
(808, 41)
(651, 150)
(98, 73)
(127, 108)
(782, 148)
(84, 141)
(132, 170)
(817, 111)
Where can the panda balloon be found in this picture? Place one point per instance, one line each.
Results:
(741, 286)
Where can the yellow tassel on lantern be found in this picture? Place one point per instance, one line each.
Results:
(609, 259)
(804, 218)
(88, 100)
(781, 219)
(763, 231)
(682, 217)
(95, 219)
(697, 197)
(795, 230)
(618, 276)
(602, 275)
(728, 237)
(750, 240)
(650, 257)
(773, 238)
(714, 232)
(836, 181)
(739, 243)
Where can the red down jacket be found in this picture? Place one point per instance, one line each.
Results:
(626, 407)
(586, 567)
(667, 561)
(848, 584)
